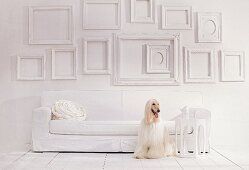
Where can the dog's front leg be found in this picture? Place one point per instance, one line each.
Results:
(141, 153)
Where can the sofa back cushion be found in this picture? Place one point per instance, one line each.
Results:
(120, 105)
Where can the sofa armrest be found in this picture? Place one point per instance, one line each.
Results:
(40, 122)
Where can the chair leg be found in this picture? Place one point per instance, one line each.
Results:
(201, 140)
(195, 135)
(207, 131)
(182, 147)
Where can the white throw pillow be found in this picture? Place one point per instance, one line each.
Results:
(64, 109)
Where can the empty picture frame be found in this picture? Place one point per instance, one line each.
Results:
(50, 25)
(209, 27)
(157, 57)
(30, 68)
(64, 64)
(232, 66)
(130, 60)
(97, 55)
(142, 11)
(176, 17)
(199, 65)
(101, 14)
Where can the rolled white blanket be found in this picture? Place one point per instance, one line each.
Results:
(64, 109)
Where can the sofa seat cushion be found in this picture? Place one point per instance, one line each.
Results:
(94, 128)
(99, 128)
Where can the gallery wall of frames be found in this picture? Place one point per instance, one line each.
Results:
(153, 57)
(198, 46)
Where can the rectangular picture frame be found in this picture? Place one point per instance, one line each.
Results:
(150, 18)
(189, 78)
(161, 51)
(33, 9)
(188, 13)
(209, 28)
(241, 65)
(74, 69)
(117, 3)
(107, 41)
(120, 81)
(19, 67)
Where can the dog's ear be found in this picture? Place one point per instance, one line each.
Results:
(147, 112)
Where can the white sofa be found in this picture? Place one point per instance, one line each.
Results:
(112, 119)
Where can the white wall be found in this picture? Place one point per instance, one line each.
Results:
(227, 101)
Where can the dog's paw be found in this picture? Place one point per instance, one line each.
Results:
(139, 157)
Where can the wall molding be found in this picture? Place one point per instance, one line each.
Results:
(33, 9)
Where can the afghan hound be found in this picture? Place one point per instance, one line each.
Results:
(153, 138)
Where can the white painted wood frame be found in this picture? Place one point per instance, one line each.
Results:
(59, 40)
(163, 64)
(180, 26)
(99, 26)
(209, 27)
(191, 77)
(74, 67)
(149, 18)
(107, 42)
(118, 80)
(224, 67)
(19, 67)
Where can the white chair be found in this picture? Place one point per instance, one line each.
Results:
(193, 127)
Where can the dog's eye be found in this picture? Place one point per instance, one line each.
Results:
(153, 104)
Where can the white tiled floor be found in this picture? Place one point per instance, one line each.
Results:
(219, 158)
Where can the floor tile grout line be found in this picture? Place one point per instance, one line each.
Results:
(103, 166)
(227, 158)
(218, 165)
(198, 164)
(17, 159)
(160, 163)
(123, 162)
(213, 161)
(52, 159)
(179, 164)
(141, 164)
(107, 158)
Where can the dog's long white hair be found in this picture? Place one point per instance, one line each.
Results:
(153, 138)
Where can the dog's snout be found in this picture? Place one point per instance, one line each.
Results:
(158, 110)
